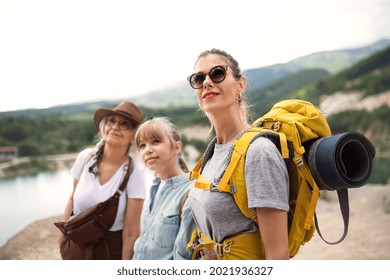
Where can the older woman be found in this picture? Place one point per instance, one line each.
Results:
(98, 172)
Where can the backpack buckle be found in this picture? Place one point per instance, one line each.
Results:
(276, 126)
(214, 187)
(298, 160)
(233, 188)
(218, 249)
(227, 247)
(221, 249)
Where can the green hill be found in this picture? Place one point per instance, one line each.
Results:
(371, 76)
(67, 129)
(263, 98)
(331, 61)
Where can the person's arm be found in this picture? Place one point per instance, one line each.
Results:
(68, 209)
(69, 205)
(274, 233)
(187, 226)
(131, 227)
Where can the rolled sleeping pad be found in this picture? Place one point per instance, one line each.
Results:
(341, 161)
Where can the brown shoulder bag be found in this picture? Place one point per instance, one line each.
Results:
(94, 222)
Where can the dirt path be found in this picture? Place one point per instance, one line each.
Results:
(368, 237)
(369, 227)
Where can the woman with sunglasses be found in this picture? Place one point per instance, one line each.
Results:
(98, 172)
(219, 87)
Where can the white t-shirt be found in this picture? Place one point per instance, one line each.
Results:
(159, 189)
(89, 191)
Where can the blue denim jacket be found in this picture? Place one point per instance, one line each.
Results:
(163, 236)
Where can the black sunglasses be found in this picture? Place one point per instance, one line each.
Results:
(217, 74)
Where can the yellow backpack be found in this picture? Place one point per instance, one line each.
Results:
(297, 122)
(289, 124)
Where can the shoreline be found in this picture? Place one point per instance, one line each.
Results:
(11, 169)
(37, 241)
(367, 239)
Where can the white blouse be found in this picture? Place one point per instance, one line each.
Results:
(89, 191)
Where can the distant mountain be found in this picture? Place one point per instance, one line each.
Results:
(68, 109)
(331, 61)
(262, 99)
(177, 95)
(370, 76)
(181, 94)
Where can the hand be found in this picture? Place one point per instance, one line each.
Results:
(207, 254)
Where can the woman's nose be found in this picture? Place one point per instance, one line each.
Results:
(116, 124)
(207, 81)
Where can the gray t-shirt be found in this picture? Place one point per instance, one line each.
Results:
(216, 214)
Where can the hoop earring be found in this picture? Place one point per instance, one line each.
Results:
(238, 97)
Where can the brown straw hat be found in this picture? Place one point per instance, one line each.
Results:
(126, 109)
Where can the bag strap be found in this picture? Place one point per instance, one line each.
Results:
(183, 200)
(344, 208)
(109, 212)
(87, 158)
(123, 185)
(129, 170)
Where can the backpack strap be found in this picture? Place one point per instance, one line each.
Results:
(240, 147)
(344, 208)
(183, 200)
(303, 170)
(194, 174)
(200, 183)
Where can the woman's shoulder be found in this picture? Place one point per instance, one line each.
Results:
(262, 143)
(87, 152)
(184, 181)
(82, 159)
(262, 146)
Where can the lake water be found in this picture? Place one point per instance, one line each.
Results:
(27, 199)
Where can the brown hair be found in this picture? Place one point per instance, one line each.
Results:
(233, 64)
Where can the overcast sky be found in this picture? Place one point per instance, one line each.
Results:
(64, 51)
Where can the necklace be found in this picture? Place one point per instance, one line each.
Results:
(236, 133)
